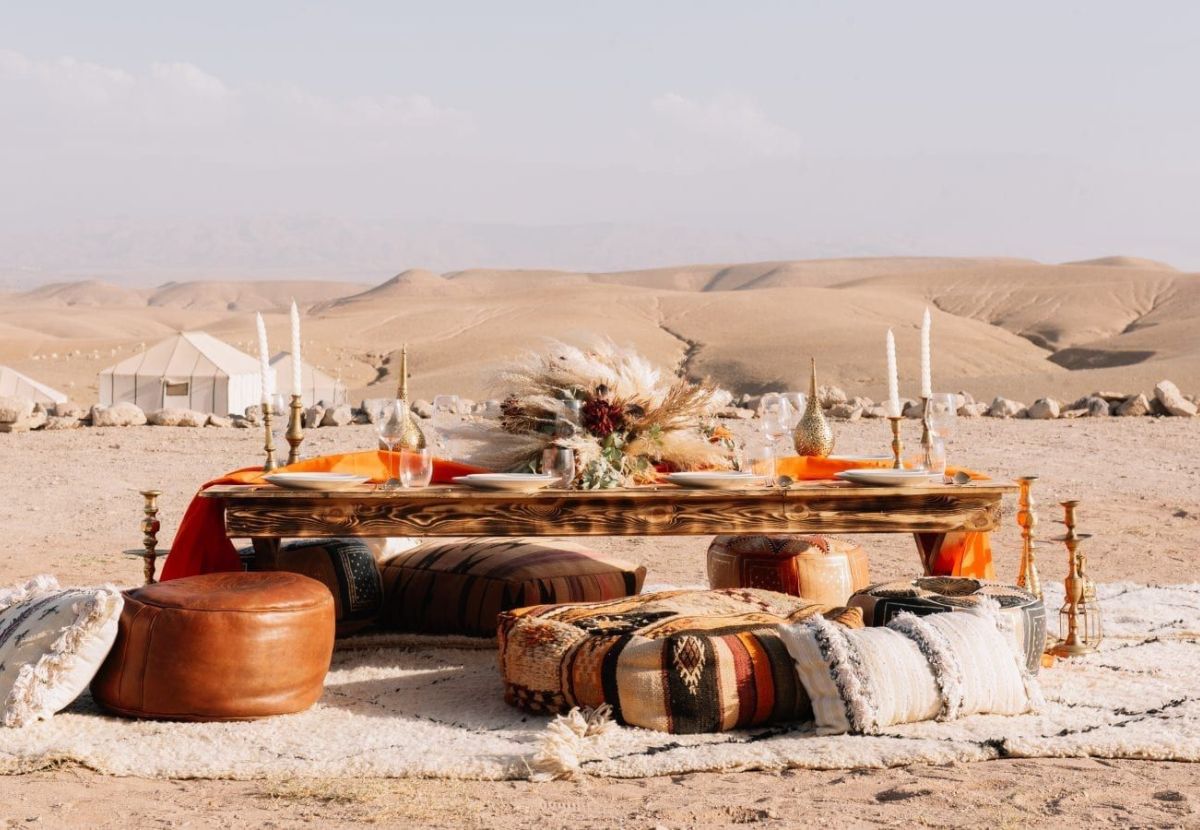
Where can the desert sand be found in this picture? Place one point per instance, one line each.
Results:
(1001, 326)
(74, 506)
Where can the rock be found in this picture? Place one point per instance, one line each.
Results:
(239, 422)
(1111, 397)
(1044, 409)
(1135, 407)
(975, 409)
(831, 395)
(912, 409)
(1172, 399)
(1004, 408)
(424, 409)
(465, 405)
(361, 417)
(254, 414)
(965, 398)
(313, 416)
(219, 421)
(1097, 407)
(177, 418)
(1157, 409)
(36, 419)
(861, 402)
(736, 412)
(56, 422)
(845, 411)
(374, 408)
(339, 416)
(13, 410)
(70, 409)
(122, 414)
(876, 411)
(1074, 412)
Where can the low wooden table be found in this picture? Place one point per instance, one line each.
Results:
(266, 514)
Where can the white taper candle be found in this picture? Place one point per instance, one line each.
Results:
(297, 376)
(264, 360)
(893, 406)
(926, 371)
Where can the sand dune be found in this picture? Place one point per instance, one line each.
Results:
(1002, 325)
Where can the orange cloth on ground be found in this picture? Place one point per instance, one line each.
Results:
(201, 545)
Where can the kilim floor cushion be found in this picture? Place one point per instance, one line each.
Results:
(460, 586)
(675, 661)
(818, 568)
(1023, 612)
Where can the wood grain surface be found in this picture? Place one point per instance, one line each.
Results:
(265, 511)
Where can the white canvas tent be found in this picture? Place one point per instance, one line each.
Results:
(13, 384)
(316, 386)
(189, 370)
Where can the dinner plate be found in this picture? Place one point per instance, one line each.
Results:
(890, 478)
(860, 458)
(515, 482)
(718, 480)
(316, 481)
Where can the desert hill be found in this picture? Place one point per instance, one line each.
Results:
(1001, 325)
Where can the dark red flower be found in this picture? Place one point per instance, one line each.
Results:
(602, 418)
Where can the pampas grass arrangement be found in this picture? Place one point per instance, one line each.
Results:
(625, 419)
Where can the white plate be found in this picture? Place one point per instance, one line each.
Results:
(891, 478)
(718, 481)
(860, 458)
(515, 482)
(316, 481)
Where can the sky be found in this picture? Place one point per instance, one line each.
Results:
(356, 138)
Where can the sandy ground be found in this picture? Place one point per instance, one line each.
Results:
(68, 505)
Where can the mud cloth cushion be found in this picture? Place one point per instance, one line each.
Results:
(460, 586)
(52, 642)
(675, 661)
(818, 568)
(1024, 613)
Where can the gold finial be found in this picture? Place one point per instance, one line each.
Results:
(402, 386)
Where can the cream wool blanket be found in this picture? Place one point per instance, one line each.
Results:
(425, 707)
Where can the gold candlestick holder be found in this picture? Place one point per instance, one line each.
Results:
(295, 430)
(269, 443)
(897, 445)
(926, 435)
(1079, 617)
(149, 551)
(1027, 518)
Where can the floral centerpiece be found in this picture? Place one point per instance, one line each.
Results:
(625, 420)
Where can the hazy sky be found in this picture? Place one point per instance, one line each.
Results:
(1055, 130)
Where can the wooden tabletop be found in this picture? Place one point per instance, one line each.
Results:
(806, 507)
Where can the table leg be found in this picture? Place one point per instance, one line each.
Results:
(266, 553)
(929, 546)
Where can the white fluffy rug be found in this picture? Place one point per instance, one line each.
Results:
(434, 708)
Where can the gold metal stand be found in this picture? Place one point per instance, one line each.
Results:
(269, 444)
(926, 436)
(897, 446)
(295, 430)
(1027, 518)
(149, 551)
(1080, 612)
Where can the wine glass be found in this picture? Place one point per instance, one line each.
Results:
(943, 415)
(776, 414)
(560, 463)
(391, 432)
(416, 467)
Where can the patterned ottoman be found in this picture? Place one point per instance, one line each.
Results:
(934, 594)
(817, 568)
(461, 586)
(675, 661)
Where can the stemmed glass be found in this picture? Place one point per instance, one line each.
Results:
(943, 417)
(391, 433)
(776, 414)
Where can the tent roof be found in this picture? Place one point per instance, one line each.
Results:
(312, 376)
(15, 384)
(187, 354)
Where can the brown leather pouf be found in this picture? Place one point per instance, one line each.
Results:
(817, 568)
(228, 646)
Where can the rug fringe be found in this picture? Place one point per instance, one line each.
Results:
(567, 741)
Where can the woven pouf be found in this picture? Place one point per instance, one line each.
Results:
(461, 586)
(817, 568)
(935, 594)
(675, 661)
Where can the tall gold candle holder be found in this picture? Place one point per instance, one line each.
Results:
(926, 436)
(1027, 518)
(1079, 617)
(897, 446)
(149, 551)
(295, 430)
(269, 443)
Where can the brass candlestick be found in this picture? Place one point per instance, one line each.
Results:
(1079, 616)
(1027, 518)
(269, 444)
(295, 430)
(897, 446)
(926, 435)
(149, 551)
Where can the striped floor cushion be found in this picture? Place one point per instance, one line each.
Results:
(461, 586)
(1025, 613)
(675, 661)
(818, 568)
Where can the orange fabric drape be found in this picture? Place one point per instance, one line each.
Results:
(201, 545)
(815, 468)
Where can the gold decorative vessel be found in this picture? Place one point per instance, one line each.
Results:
(813, 435)
(412, 438)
